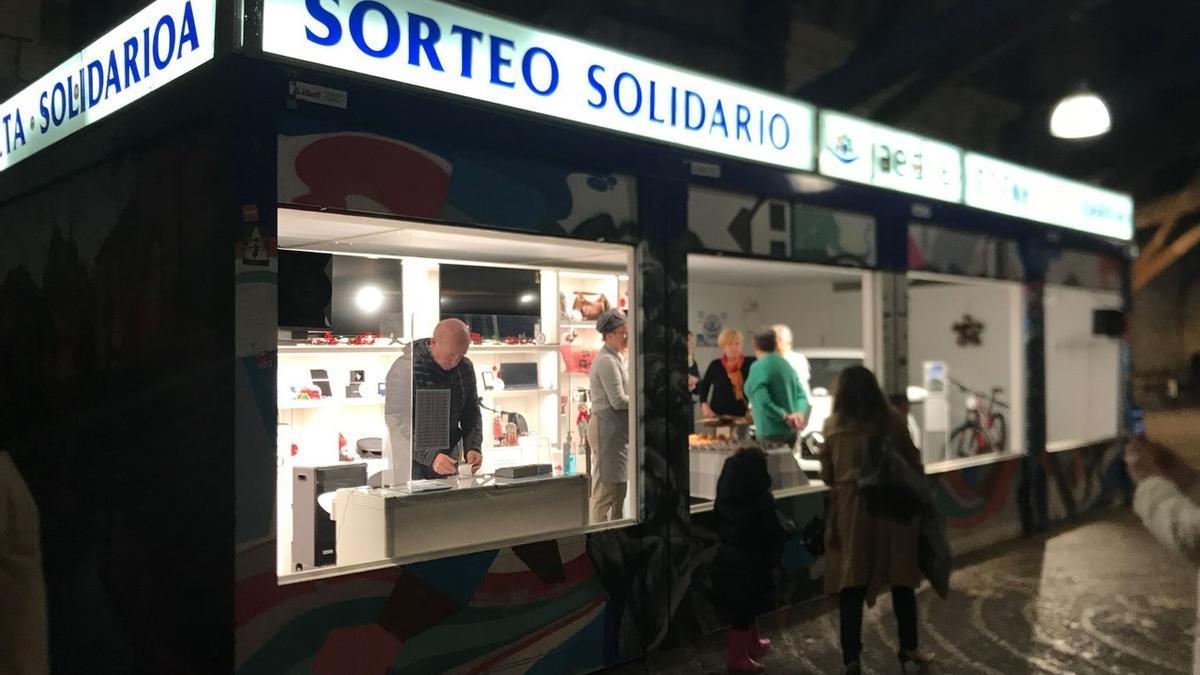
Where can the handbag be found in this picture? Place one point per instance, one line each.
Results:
(590, 310)
(577, 360)
(891, 487)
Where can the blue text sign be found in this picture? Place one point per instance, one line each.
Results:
(155, 46)
(451, 49)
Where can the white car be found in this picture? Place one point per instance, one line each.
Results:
(824, 365)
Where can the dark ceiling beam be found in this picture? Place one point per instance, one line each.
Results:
(758, 40)
(919, 44)
(990, 46)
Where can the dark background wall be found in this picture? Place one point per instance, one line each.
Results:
(116, 381)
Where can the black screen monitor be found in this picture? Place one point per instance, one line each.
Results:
(305, 288)
(499, 291)
(367, 295)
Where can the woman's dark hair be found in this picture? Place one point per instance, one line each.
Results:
(858, 397)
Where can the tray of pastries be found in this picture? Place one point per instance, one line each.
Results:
(725, 421)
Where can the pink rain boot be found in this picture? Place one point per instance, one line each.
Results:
(737, 654)
(758, 645)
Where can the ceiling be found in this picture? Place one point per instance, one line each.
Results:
(379, 236)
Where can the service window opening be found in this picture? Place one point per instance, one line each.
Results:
(822, 316)
(966, 356)
(429, 372)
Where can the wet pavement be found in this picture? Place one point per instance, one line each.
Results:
(1102, 597)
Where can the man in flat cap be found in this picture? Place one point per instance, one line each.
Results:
(610, 419)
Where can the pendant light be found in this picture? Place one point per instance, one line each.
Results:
(1081, 115)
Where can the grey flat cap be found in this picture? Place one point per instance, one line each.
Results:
(610, 321)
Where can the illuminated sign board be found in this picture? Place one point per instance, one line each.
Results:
(1018, 191)
(154, 47)
(864, 152)
(450, 49)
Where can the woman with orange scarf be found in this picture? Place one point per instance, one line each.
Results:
(722, 388)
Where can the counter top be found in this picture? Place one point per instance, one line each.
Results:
(458, 484)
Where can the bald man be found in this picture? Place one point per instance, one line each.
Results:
(439, 365)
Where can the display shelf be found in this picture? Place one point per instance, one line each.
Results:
(510, 349)
(587, 325)
(291, 404)
(287, 350)
(511, 393)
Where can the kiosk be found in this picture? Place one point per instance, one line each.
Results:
(166, 379)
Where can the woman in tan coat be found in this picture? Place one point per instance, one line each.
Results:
(863, 554)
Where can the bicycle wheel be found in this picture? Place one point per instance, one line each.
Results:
(962, 440)
(998, 433)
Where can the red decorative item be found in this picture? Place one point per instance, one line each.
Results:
(476, 339)
(512, 340)
(326, 339)
(364, 338)
(577, 359)
(308, 394)
(295, 449)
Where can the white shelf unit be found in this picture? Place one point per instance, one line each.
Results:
(614, 287)
(311, 404)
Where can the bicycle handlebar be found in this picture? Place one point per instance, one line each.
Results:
(996, 391)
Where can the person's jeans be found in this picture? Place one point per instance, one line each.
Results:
(850, 600)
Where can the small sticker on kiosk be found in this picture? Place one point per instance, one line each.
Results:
(706, 169)
(314, 93)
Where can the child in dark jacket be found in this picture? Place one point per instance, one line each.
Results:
(752, 535)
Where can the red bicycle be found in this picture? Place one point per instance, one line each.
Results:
(985, 431)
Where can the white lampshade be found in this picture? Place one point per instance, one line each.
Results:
(1080, 116)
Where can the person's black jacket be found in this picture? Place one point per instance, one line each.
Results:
(466, 421)
(717, 381)
(752, 534)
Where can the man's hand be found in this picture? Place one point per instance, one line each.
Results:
(706, 411)
(443, 465)
(693, 381)
(795, 420)
(475, 459)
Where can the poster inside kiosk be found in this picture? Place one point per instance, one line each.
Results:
(153, 47)
(454, 50)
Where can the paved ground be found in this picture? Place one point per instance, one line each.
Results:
(1101, 598)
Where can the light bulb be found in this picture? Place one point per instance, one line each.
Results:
(1080, 116)
(369, 299)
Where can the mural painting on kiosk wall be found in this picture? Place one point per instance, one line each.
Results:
(569, 605)
(946, 251)
(759, 225)
(429, 180)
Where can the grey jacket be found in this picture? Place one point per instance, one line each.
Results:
(610, 406)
